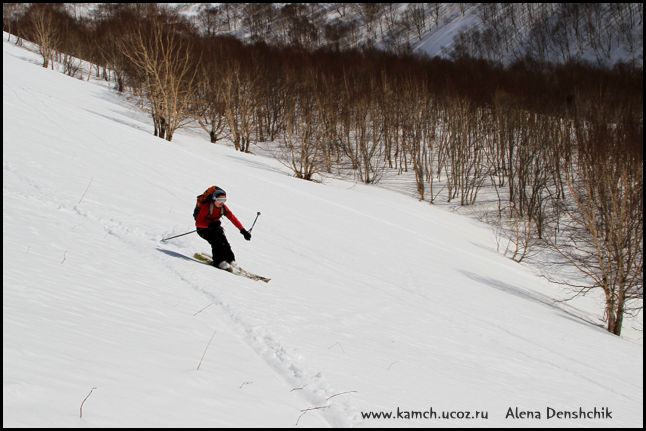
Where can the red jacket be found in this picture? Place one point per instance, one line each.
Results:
(210, 213)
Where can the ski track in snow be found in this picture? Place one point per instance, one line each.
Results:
(314, 388)
(310, 386)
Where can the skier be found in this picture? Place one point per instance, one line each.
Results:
(207, 222)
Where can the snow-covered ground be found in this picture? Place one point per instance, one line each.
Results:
(378, 303)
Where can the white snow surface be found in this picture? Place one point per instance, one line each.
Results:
(377, 302)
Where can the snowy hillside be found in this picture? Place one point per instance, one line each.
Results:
(378, 304)
(599, 33)
(602, 34)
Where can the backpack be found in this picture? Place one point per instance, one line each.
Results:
(205, 197)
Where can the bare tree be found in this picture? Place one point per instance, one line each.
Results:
(168, 68)
(238, 86)
(44, 31)
(465, 168)
(416, 14)
(209, 107)
(301, 147)
(602, 231)
(210, 18)
(10, 14)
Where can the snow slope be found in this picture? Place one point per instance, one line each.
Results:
(377, 302)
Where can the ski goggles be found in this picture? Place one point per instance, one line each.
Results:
(220, 199)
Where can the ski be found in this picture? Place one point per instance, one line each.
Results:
(206, 259)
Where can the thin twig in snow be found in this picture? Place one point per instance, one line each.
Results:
(341, 393)
(203, 309)
(307, 410)
(86, 189)
(83, 402)
(205, 349)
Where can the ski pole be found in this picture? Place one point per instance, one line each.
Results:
(166, 239)
(254, 221)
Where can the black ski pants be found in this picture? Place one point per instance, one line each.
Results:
(220, 247)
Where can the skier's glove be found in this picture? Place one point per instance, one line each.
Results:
(246, 234)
